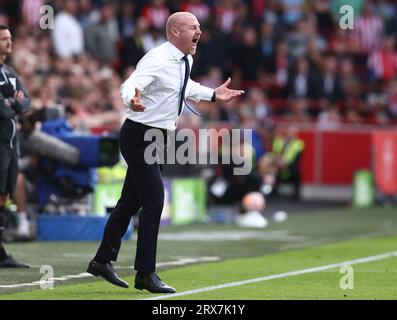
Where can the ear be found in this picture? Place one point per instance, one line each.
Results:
(174, 31)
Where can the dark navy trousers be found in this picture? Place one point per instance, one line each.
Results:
(143, 188)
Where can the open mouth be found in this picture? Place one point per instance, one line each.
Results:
(195, 41)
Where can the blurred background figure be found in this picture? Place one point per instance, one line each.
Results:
(286, 155)
(102, 36)
(67, 35)
(253, 207)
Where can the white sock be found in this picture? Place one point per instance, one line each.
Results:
(23, 215)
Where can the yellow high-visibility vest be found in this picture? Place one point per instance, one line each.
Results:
(290, 151)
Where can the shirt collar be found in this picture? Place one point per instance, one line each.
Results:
(176, 53)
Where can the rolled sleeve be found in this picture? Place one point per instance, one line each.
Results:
(197, 92)
(127, 91)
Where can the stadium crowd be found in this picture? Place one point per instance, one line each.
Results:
(291, 56)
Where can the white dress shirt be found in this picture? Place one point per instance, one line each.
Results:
(159, 77)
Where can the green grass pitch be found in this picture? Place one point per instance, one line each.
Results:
(195, 258)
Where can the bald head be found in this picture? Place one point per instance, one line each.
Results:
(176, 20)
(183, 31)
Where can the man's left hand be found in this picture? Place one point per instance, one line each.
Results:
(224, 94)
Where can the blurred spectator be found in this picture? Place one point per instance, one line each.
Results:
(229, 114)
(243, 14)
(343, 43)
(258, 7)
(156, 14)
(297, 110)
(21, 202)
(256, 104)
(329, 118)
(247, 57)
(133, 50)
(271, 15)
(352, 116)
(87, 14)
(25, 191)
(9, 12)
(351, 83)
(331, 86)
(281, 64)
(125, 19)
(315, 54)
(368, 29)
(152, 38)
(303, 81)
(67, 35)
(382, 63)
(391, 91)
(31, 12)
(387, 10)
(390, 18)
(323, 17)
(199, 8)
(267, 168)
(102, 36)
(375, 104)
(292, 11)
(226, 14)
(267, 43)
(298, 38)
(286, 154)
(213, 78)
(228, 188)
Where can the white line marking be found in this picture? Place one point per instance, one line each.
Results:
(49, 280)
(179, 262)
(273, 235)
(277, 276)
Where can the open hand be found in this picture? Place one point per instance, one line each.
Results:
(224, 94)
(135, 102)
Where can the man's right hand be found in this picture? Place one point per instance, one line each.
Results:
(135, 102)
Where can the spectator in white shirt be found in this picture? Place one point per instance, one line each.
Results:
(67, 35)
(154, 95)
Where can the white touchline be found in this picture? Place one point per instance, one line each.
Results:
(277, 276)
(179, 262)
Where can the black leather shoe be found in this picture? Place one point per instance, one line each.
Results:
(10, 262)
(152, 283)
(106, 271)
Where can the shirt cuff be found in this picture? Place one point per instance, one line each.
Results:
(206, 93)
(127, 93)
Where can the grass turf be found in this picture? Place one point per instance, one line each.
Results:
(372, 280)
(247, 258)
